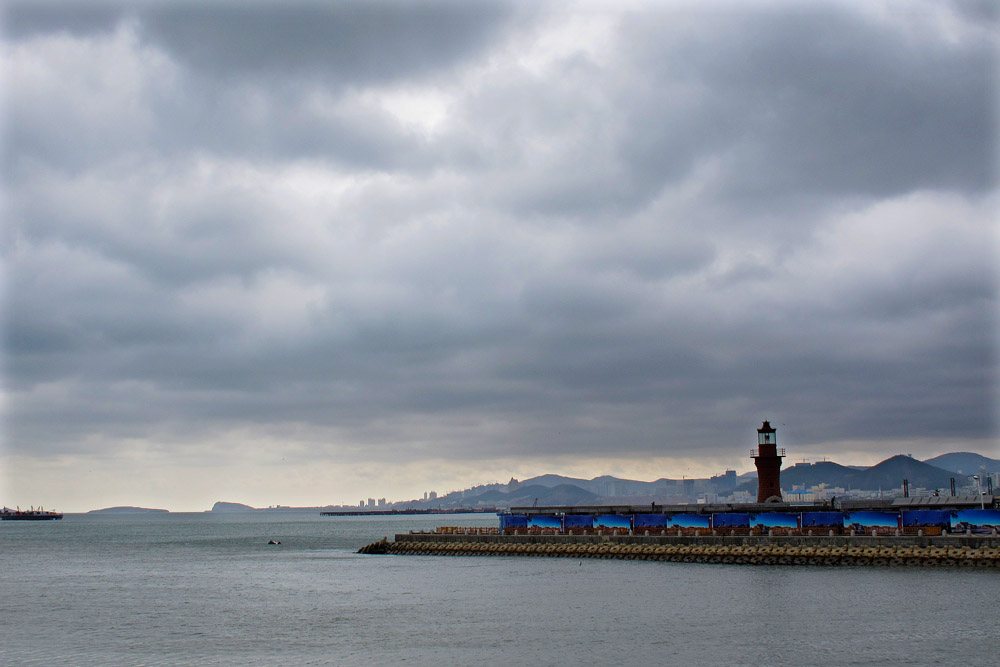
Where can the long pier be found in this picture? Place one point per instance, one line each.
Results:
(407, 512)
(979, 551)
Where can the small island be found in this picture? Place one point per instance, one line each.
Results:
(221, 506)
(128, 510)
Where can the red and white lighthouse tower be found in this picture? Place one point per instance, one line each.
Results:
(767, 457)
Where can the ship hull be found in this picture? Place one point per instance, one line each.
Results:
(30, 516)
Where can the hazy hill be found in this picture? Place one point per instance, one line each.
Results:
(126, 510)
(965, 463)
(525, 495)
(606, 485)
(822, 472)
(558, 480)
(890, 474)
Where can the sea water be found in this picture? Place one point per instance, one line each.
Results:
(207, 589)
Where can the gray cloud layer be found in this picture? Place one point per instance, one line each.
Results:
(398, 230)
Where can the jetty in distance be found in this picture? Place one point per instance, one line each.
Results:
(360, 512)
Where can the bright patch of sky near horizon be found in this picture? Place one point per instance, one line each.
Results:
(299, 254)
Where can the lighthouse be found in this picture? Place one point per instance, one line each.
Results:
(767, 457)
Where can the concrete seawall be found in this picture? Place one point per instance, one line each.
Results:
(948, 551)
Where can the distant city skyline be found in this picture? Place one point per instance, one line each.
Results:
(301, 254)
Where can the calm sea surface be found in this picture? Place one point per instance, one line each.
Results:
(206, 589)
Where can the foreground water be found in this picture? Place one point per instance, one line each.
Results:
(207, 589)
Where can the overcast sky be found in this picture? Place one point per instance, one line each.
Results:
(308, 253)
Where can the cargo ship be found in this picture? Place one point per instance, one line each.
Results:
(33, 514)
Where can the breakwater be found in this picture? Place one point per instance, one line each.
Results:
(952, 551)
(410, 511)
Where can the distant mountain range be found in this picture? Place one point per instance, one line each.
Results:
(934, 473)
(888, 474)
(556, 490)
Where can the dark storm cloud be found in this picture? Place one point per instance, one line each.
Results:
(347, 42)
(230, 216)
(22, 19)
(983, 12)
(352, 41)
(814, 104)
(242, 78)
(811, 102)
